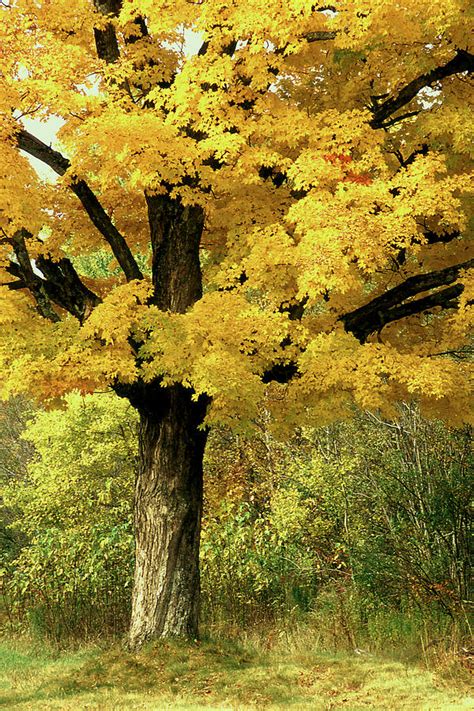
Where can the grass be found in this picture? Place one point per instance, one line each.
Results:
(218, 675)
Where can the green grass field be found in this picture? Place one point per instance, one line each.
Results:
(218, 676)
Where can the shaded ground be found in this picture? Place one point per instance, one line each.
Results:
(218, 676)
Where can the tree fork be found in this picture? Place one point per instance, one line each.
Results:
(169, 483)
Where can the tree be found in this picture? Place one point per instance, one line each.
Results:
(285, 213)
(14, 456)
(70, 572)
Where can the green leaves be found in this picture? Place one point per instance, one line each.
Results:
(75, 505)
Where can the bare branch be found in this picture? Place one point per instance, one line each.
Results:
(24, 271)
(446, 298)
(64, 286)
(47, 155)
(390, 306)
(402, 117)
(14, 285)
(322, 36)
(104, 224)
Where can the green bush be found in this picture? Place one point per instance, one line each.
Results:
(72, 577)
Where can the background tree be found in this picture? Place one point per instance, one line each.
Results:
(298, 184)
(15, 454)
(369, 514)
(72, 512)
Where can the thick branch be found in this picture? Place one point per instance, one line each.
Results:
(446, 298)
(462, 62)
(47, 155)
(32, 145)
(64, 286)
(61, 284)
(104, 224)
(108, 49)
(106, 39)
(387, 308)
(401, 117)
(24, 271)
(15, 285)
(392, 305)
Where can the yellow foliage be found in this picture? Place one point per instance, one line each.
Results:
(229, 106)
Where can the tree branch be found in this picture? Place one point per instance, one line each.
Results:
(106, 39)
(104, 224)
(101, 220)
(64, 286)
(391, 306)
(47, 155)
(321, 36)
(387, 308)
(61, 285)
(401, 117)
(462, 62)
(446, 298)
(24, 271)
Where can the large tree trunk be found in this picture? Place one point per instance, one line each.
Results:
(168, 505)
(168, 493)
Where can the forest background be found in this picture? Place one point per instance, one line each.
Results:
(361, 529)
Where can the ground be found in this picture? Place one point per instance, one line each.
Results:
(211, 675)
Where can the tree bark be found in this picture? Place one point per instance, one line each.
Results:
(168, 505)
(168, 492)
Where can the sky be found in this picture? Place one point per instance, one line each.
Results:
(46, 131)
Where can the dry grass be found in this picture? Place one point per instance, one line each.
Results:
(212, 675)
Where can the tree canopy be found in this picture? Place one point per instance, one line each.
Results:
(325, 150)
